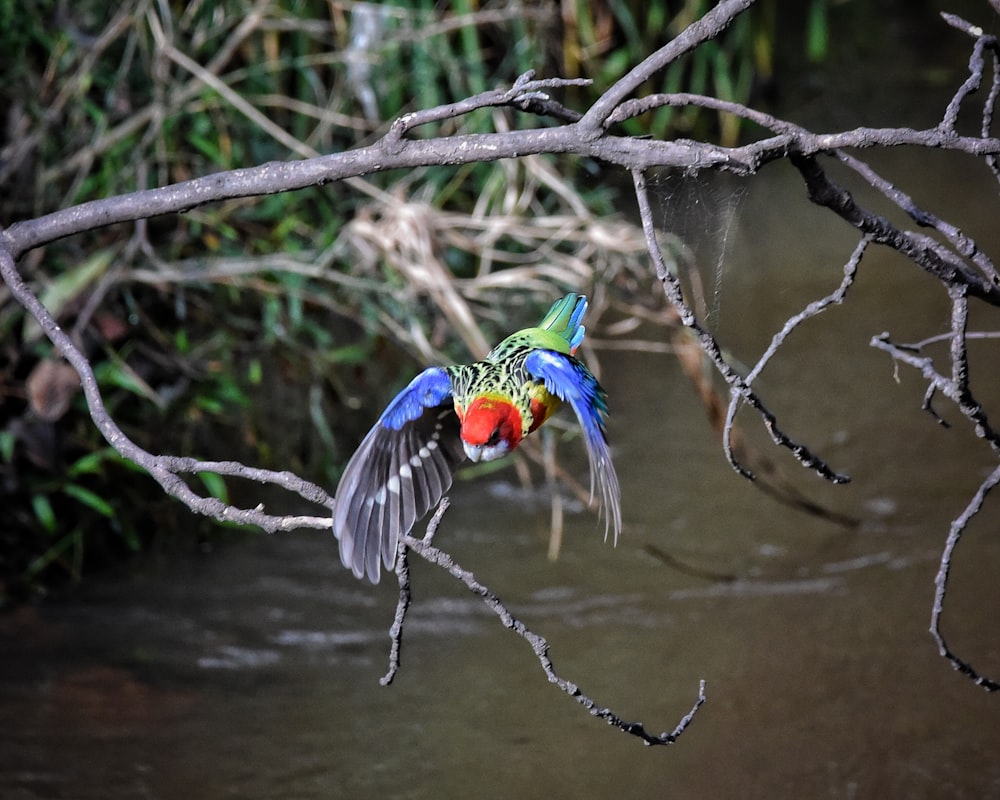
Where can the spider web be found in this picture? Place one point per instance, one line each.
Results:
(700, 214)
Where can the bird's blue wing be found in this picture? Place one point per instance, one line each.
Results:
(570, 381)
(401, 469)
(430, 388)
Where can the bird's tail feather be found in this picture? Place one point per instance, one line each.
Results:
(564, 317)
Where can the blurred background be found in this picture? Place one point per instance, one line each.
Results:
(154, 653)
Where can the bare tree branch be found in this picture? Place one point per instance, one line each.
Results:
(958, 527)
(956, 388)
(739, 388)
(526, 92)
(922, 250)
(597, 118)
(405, 594)
(165, 469)
(538, 644)
(810, 311)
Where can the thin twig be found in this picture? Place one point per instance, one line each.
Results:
(540, 647)
(958, 527)
(737, 385)
(814, 308)
(402, 571)
(525, 93)
(956, 388)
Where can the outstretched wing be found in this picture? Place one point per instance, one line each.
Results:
(401, 469)
(570, 381)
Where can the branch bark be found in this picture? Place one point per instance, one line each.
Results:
(539, 645)
(166, 470)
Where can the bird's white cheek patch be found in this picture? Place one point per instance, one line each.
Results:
(495, 451)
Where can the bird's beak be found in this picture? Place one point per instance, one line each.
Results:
(474, 452)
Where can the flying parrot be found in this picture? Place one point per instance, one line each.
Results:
(479, 411)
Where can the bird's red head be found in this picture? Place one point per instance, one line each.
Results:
(491, 428)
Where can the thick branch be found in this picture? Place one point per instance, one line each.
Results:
(394, 152)
(919, 249)
(275, 177)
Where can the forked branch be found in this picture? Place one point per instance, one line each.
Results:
(166, 470)
(539, 645)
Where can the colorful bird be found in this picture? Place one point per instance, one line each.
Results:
(481, 411)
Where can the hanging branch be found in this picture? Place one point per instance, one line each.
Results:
(956, 388)
(402, 571)
(958, 527)
(739, 388)
(813, 309)
(539, 645)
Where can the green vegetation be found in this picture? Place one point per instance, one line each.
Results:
(212, 330)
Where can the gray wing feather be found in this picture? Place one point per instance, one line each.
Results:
(391, 481)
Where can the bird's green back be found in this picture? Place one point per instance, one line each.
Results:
(557, 331)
